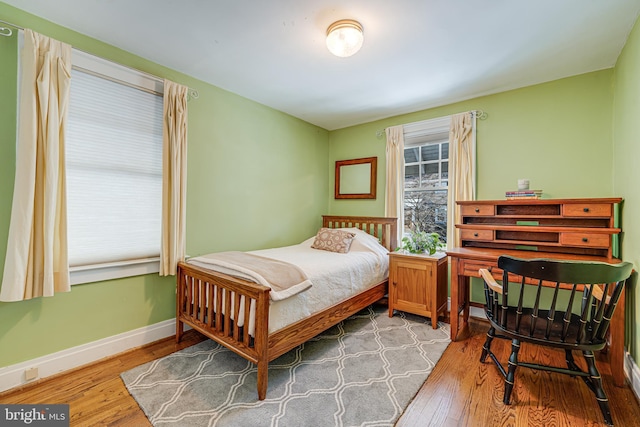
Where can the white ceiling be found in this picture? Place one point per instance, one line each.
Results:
(417, 54)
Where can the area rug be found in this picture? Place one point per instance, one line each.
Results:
(362, 372)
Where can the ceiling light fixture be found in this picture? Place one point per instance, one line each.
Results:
(344, 37)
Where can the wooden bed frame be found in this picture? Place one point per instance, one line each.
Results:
(195, 305)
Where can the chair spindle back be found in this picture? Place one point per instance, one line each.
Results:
(553, 315)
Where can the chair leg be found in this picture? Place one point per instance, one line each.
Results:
(486, 348)
(596, 382)
(513, 364)
(571, 363)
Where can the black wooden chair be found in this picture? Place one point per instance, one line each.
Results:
(570, 308)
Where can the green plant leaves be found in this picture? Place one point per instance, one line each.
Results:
(419, 242)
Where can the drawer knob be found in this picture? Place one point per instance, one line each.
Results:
(585, 209)
(584, 239)
(477, 210)
(475, 234)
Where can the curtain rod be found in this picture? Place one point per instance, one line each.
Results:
(479, 114)
(8, 32)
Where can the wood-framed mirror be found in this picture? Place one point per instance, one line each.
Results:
(356, 178)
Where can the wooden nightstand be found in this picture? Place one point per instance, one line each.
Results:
(418, 284)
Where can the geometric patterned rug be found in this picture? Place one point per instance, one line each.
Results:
(361, 372)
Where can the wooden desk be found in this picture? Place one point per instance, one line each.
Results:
(465, 263)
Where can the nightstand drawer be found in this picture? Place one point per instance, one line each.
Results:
(587, 210)
(485, 235)
(585, 239)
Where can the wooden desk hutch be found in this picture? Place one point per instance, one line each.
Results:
(575, 229)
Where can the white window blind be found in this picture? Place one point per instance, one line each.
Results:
(426, 131)
(114, 168)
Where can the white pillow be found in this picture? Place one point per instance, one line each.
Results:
(365, 241)
(333, 240)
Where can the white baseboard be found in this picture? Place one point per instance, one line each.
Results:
(476, 312)
(51, 364)
(632, 372)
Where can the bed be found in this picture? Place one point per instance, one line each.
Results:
(240, 314)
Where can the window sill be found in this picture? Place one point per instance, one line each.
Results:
(113, 270)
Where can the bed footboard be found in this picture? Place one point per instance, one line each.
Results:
(225, 309)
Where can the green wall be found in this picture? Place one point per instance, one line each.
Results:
(256, 178)
(626, 173)
(556, 134)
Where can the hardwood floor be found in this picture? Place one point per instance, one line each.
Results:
(95, 393)
(459, 392)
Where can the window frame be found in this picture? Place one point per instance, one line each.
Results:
(421, 134)
(91, 64)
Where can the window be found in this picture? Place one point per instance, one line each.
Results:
(426, 176)
(114, 171)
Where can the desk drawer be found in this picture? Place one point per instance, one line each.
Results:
(478, 210)
(486, 235)
(470, 268)
(585, 240)
(586, 210)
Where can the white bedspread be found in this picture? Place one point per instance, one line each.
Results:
(335, 277)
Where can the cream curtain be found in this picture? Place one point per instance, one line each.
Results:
(394, 194)
(462, 183)
(36, 263)
(174, 177)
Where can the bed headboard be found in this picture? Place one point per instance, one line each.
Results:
(385, 229)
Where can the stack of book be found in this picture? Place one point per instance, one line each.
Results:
(523, 194)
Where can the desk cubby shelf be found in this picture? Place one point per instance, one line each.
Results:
(571, 226)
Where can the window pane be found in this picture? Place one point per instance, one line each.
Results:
(411, 154)
(445, 170)
(430, 176)
(430, 152)
(430, 171)
(426, 211)
(445, 150)
(411, 176)
(114, 171)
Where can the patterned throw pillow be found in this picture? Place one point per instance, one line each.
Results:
(332, 240)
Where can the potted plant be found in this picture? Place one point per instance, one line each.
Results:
(420, 242)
